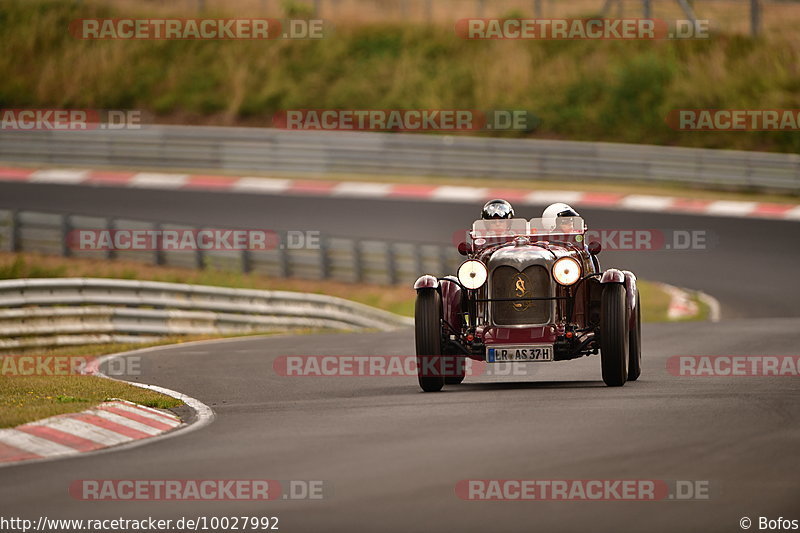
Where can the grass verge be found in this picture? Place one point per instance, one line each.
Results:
(28, 398)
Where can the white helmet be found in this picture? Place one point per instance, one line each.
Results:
(553, 211)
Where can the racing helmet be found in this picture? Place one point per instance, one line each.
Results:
(553, 211)
(497, 209)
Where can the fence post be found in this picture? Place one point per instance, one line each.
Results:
(283, 258)
(199, 256)
(111, 224)
(755, 17)
(15, 244)
(247, 265)
(391, 263)
(65, 227)
(325, 257)
(418, 259)
(537, 9)
(160, 255)
(358, 267)
(647, 8)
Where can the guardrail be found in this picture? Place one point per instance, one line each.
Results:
(335, 258)
(78, 311)
(277, 151)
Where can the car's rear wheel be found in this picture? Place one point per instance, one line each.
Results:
(428, 334)
(635, 344)
(455, 370)
(614, 335)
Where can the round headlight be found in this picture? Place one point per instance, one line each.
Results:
(566, 271)
(472, 274)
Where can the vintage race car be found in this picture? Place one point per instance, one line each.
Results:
(529, 291)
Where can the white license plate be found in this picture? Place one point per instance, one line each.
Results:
(528, 352)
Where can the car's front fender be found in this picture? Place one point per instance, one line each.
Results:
(426, 282)
(626, 277)
(612, 275)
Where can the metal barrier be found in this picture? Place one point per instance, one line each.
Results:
(335, 258)
(76, 311)
(278, 151)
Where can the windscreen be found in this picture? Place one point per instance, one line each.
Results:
(557, 226)
(487, 229)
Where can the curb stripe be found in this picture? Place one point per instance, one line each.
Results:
(209, 182)
(13, 174)
(32, 443)
(99, 421)
(440, 193)
(146, 411)
(10, 454)
(126, 422)
(87, 431)
(67, 439)
(110, 178)
(140, 418)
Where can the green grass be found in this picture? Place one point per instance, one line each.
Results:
(27, 398)
(582, 90)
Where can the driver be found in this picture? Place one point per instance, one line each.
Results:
(498, 213)
(555, 217)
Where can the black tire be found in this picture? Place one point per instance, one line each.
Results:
(428, 334)
(614, 335)
(456, 369)
(635, 344)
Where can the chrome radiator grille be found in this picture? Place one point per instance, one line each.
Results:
(507, 282)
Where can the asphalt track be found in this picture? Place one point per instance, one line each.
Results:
(391, 456)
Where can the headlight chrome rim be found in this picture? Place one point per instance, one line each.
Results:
(566, 271)
(472, 274)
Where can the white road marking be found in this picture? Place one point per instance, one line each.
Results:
(152, 180)
(647, 203)
(59, 175)
(459, 194)
(362, 189)
(261, 185)
(793, 214)
(726, 207)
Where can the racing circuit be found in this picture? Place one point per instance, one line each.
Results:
(391, 456)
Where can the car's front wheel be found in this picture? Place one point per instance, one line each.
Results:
(428, 334)
(635, 344)
(455, 369)
(614, 335)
